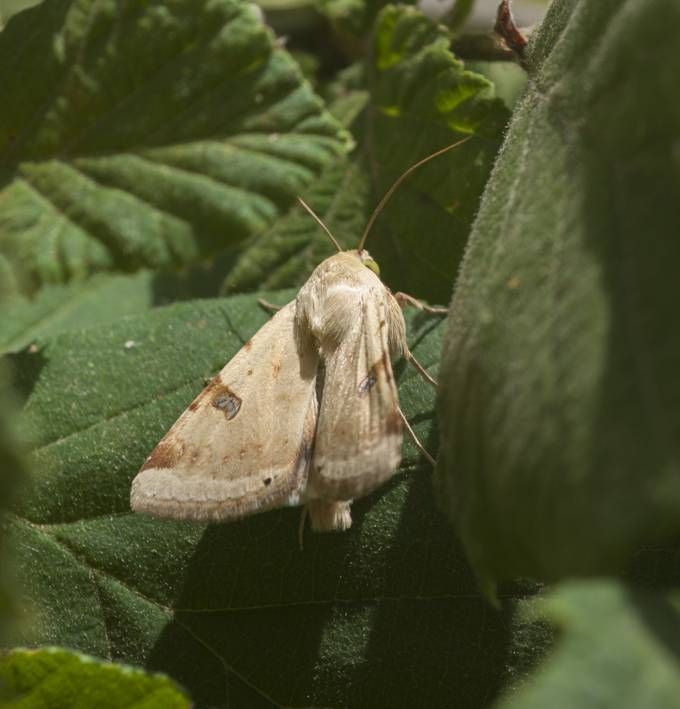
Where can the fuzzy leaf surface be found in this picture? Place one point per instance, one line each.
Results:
(560, 406)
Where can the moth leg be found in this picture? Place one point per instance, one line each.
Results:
(301, 527)
(415, 440)
(419, 367)
(269, 306)
(406, 299)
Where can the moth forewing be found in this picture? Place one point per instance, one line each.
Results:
(245, 443)
(357, 324)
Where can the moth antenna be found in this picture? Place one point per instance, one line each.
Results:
(320, 223)
(396, 184)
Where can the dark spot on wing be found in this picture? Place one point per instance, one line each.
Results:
(368, 382)
(267, 481)
(372, 377)
(223, 398)
(249, 372)
(229, 403)
(164, 455)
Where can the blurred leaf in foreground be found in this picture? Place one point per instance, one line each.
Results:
(560, 399)
(55, 678)
(617, 647)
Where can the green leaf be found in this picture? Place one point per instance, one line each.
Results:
(421, 99)
(560, 404)
(55, 308)
(286, 255)
(11, 7)
(165, 133)
(104, 297)
(353, 18)
(55, 678)
(11, 470)
(508, 78)
(459, 13)
(617, 647)
(384, 614)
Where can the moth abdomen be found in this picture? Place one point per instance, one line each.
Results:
(330, 515)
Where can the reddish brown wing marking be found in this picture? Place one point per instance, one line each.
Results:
(164, 455)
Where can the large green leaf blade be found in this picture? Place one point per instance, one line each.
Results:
(237, 613)
(560, 406)
(166, 133)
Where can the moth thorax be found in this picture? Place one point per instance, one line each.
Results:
(339, 317)
(330, 515)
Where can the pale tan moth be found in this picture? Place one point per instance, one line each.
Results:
(306, 413)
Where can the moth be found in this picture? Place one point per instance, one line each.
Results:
(306, 413)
